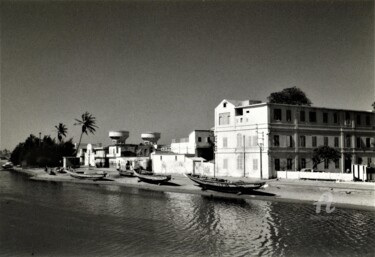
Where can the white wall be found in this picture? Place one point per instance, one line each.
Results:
(171, 163)
(314, 175)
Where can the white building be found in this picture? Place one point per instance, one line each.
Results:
(198, 143)
(256, 139)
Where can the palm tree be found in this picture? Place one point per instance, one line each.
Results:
(88, 125)
(61, 131)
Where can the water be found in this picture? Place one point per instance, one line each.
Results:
(53, 219)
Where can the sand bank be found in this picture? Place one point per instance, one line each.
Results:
(348, 195)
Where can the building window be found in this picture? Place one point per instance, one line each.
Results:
(255, 164)
(325, 141)
(358, 119)
(326, 164)
(302, 116)
(335, 118)
(336, 142)
(277, 164)
(175, 157)
(277, 114)
(224, 118)
(312, 116)
(225, 142)
(276, 140)
(347, 118)
(249, 142)
(288, 115)
(239, 162)
(358, 142)
(239, 140)
(359, 160)
(161, 157)
(289, 140)
(255, 140)
(303, 163)
(347, 141)
(302, 141)
(225, 164)
(199, 139)
(368, 142)
(224, 105)
(289, 164)
(314, 143)
(368, 123)
(337, 164)
(325, 117)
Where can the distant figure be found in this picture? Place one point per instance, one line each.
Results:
(127, 166)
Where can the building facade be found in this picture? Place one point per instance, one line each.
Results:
(199, 143)
(256, 139)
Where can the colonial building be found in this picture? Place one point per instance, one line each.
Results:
(255, 139)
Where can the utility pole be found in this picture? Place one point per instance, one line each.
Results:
(215, 152)
(260, 143)
(244, 158)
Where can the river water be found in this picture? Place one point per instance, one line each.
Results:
(56, 219)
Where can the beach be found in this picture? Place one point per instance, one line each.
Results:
(354, 195)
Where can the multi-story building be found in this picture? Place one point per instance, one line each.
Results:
(255, 139)
(199, 143)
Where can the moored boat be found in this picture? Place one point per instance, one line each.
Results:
(126, 173)
(7, 165)
(223, 185)
(150, 177)
(86, 175)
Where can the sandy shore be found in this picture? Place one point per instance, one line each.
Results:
(355, 195)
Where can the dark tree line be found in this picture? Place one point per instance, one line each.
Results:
(41, 153)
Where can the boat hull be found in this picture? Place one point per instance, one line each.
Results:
(154, 179)
(224, 186)
(126, 173)
(86, 176)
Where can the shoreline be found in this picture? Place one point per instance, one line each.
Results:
(357, 196)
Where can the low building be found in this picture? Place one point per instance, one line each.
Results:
(199, 143)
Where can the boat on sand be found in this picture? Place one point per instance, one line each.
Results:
(150, 177)
(86, 175)
(7, 165)
(223, 185)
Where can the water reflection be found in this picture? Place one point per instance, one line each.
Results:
(96, 220)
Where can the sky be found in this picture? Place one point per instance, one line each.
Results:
(165, 65)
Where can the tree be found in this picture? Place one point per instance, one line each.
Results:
(292, 95)
(61, 131)
(46, 152)
(325, 153)
(87, 124)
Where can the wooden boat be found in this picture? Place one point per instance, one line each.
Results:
(7, 165)
(223, 185)
(126, 173)
(94, 176)
(150, 177)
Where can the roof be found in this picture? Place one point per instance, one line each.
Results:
(239, 105)
(197, 159)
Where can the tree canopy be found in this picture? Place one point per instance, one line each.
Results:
(61, 131)
(87, 123)
(292, 95)
(45, 152)
(325, 153)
